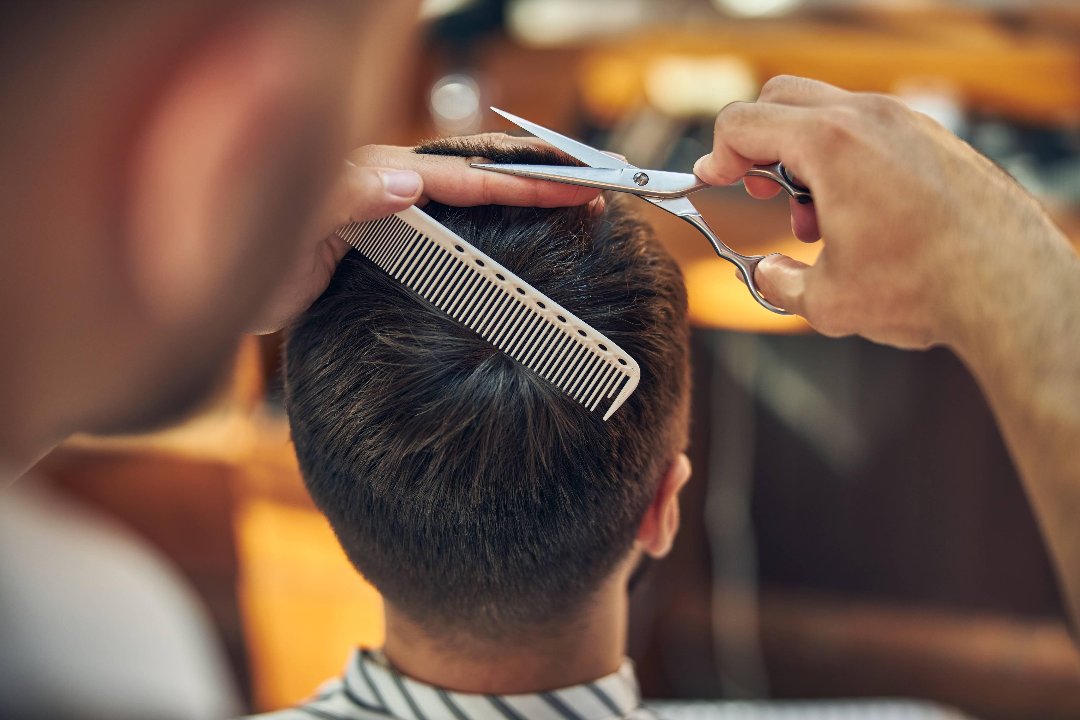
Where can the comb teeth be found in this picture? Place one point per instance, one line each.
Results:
(493, 302)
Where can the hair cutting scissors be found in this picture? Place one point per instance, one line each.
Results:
(667, 190)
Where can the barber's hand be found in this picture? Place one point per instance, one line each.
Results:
(379, 180)
(917, 224)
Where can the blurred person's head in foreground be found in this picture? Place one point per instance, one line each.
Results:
(159, 161)
(500, 520)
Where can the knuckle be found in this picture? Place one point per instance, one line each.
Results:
(778, 85)
(837, 127)
(488, 189)
(494, 138)
(538, 196)
(775, 84)
(366, 155)
(882, 107)
(732, 115)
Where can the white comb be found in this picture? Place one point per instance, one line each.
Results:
(436, 264)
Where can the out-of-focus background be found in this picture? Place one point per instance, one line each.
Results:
(855, 527)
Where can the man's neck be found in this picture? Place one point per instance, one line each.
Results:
(585, 648)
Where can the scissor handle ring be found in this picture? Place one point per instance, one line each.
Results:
(747, 264)
(785, 179)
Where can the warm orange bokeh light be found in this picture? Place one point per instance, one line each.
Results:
(719, 300)
(305, 607)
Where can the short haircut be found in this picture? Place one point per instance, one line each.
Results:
(473, 494)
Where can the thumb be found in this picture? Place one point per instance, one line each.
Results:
(782, 281)
(721, 167)
(371, 193)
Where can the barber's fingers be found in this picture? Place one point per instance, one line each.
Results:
(363, 193)
(746, 133)
(804, 221)
(378, 192)
(396, 190)
(760, 187)
(783, 282)
(367, 193)
(807, 291)
(767, 130)
(450, 180)
(792, 90)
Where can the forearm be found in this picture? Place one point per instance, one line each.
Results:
(1020, 336)
(949, 251)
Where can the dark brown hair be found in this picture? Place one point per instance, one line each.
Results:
(473, 494)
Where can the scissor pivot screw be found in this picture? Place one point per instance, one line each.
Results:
(641, 179)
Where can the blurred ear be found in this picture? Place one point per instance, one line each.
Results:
(229, 157)
(658, 528)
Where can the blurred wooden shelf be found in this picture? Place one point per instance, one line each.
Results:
(1024, 70)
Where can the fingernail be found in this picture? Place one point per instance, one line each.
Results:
(402, 183)
(700, 164)
(767, 261)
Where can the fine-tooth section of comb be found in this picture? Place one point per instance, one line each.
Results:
(475, 290)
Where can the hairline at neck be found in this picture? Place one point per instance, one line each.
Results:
(587, 645)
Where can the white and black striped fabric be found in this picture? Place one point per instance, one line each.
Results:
(371, 690)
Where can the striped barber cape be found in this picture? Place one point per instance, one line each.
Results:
(372, 690)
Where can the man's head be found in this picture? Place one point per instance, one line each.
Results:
(476, 496)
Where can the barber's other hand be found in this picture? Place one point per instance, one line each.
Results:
(379, 180)
(916, 222)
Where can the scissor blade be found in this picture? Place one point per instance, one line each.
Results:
(585, 153)
(646, 183)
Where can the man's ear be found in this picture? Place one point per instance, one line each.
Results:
(658, 528)
(220, 159)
